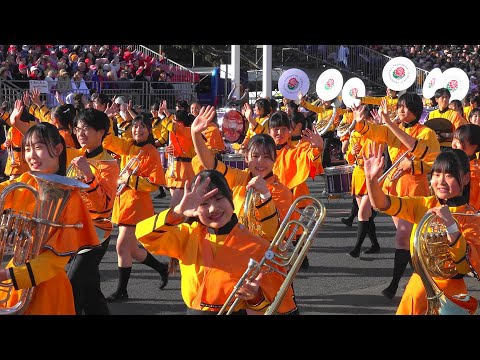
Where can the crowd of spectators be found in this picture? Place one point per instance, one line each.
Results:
(85, 68)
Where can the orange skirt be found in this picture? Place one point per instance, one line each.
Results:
(131, 207)
(182, 171)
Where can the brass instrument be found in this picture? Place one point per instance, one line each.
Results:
(27, 235)
(73, 172)
(322, 126)
(247, 217)
(132, 168)
(397, 173)
(10, 153)
(344, 128)
(282, 251)
(431, 257)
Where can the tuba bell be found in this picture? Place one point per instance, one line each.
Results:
(283, 252)
(431, 257)
(25, 235)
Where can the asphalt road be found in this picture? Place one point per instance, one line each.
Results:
(334, 284)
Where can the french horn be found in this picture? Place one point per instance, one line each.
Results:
(431, 258)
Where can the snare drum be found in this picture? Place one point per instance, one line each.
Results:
(234, 160)
(163, 157)
(339, 179)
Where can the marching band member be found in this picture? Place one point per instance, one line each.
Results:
(213, 248)
(134, 203)
(44, 150)
(260, 158)
(442, 97)
(91, 127)
(293, 164)
(413, 181)
(275, 198)
(211, 135)
(358, 147)
(467, 138)
(61, 116)
(258, 124)
(182, 150)
(450, 179)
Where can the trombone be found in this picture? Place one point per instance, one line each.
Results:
(282, 253)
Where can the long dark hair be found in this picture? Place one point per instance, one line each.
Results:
(49, 135)
(456, 163)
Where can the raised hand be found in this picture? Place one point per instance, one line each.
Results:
(383, 111)
(373, 164)
(204, 118)
(192, 198)
(313, 137)
(17, 111)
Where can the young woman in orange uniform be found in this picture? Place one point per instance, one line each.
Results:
(213, 249)
(134, 202)
(45, 152)
(449, 182)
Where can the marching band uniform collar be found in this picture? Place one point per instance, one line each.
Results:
(455, 201)
(94, 153)
(410, 124)
(225, 229)
(280, 147)
(140, 144)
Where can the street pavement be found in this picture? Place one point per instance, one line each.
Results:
(334, 284)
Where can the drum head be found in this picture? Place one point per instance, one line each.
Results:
(457, 82)
(329, 84)
(233, 126)
(433, 81)
(352, 88)
(399, 73)
(293, 81)
(439, 125)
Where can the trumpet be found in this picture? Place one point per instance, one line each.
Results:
(10, 153)
(282, 252)
(132, 168)
(431, 257)
(398, 173)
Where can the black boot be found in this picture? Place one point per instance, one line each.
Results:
(361, 234)
(121, 293)
(402, 258)
(162, 268)
(161, 193)
(372, 234)
(353, 213)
